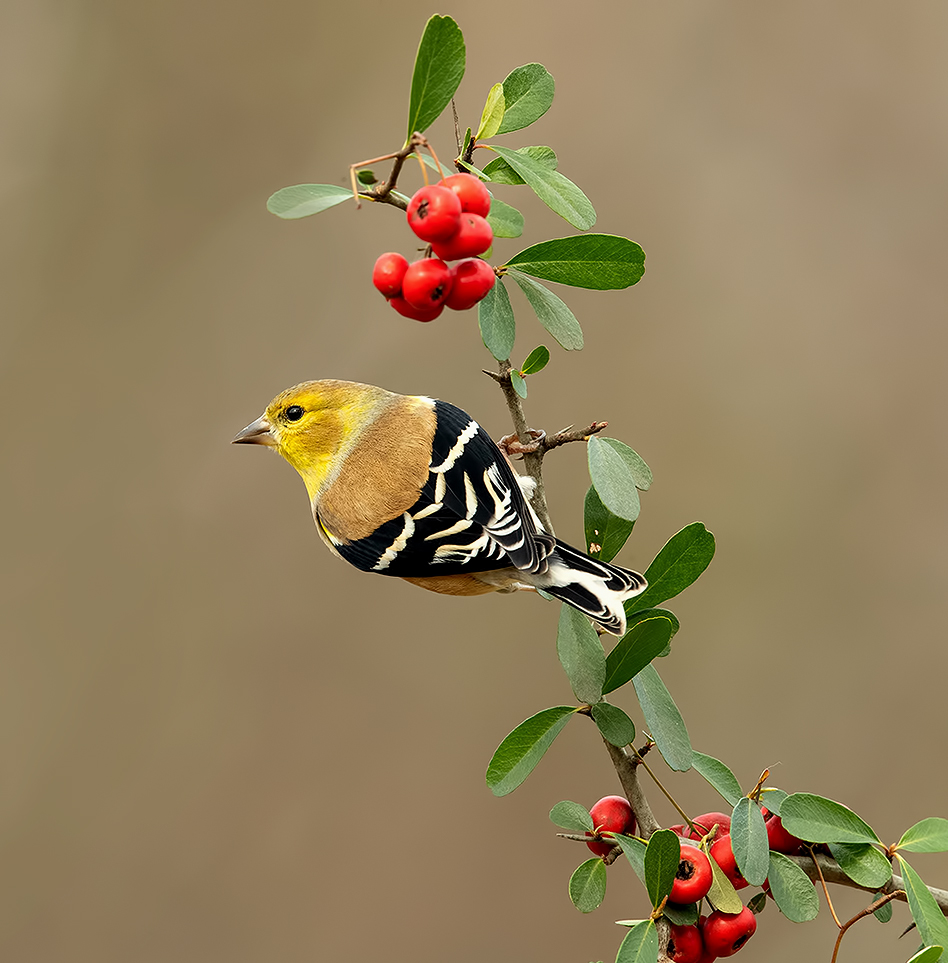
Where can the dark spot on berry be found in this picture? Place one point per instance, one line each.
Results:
(686, 869)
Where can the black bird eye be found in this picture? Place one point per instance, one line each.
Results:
(294, 413)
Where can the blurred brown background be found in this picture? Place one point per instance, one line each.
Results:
(218, 742)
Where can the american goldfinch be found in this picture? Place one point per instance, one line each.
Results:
(407, 486)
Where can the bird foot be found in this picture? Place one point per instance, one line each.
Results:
(511, 444)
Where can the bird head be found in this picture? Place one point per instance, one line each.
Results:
(313, 424)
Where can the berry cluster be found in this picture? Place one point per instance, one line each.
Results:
(451, 217)
(718, 934)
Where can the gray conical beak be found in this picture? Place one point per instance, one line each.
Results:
(256, 433)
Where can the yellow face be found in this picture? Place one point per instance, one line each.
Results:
(312, 424)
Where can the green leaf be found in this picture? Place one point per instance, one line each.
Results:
(640, 944)
(821, 820)
(681, 914)
(570, 815)
(612, 480)
(366, 177)
(773, 798)
(536, 361)
(500, 172)
(495, 318)
(685, 556)
(559, 193)
(493, 112)
(927, 836)
(883, 913)
(640, 472)
(662, 855)
(862, 863)
(749, 841)
(655, 613)
(504, 220)
(757, 903)
(634, 851)
(606, 533)
(439, 67)
(792, 890)
(718, 775)
(528, 94)
(581, 655)
(302, 200)
(663, 719)
(602, 262)
(930, 954)
(587, 885)
(636, 649)
(552, 313)
(613, 723)
(523, 748)
(931, 922)
(519, 385)
(722, 895)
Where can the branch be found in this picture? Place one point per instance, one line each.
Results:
(833, 874)
(627, 771)
(532, 459)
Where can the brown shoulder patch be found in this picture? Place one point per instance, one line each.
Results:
(384, 473)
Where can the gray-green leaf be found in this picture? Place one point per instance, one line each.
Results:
(439, 67)
(634, 851)
(500, 172)
(587, 885)
(616, 727)
(821, 820)
(519, 385)
(927, 836)
(528, 94)
(551, 311)
(572, 816)
(559, 193)
(495, 318)
(718, 775)
(602, 262)
(685, 556)
(613, 481)
(301, 200)
(663, 719)
(931, 922)
(882, 913)
(722, 895)
(862, 863)
(681, 914)
(640, 472)
(749, 841)
(929, 954)
(605, 532)
(636, 649)
(640, 944)
(792, 890)
(504, 220)
(662, 855)
(516, 757)
(581, 655)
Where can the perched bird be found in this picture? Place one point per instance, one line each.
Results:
(408, 486)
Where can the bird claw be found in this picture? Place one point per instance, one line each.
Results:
(511, 444)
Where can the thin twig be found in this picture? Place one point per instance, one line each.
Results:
(667, 794)
(826, 892)
(860, 915)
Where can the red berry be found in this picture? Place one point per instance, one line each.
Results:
(403, 307)
(388, 273)
(471, 279)
(433, 213)
(679, 830)
(723, 854)
(684, 944)
(704, 823)
(473, 195)
(725, 933)
(427, 283)
(693, 879)
(612, 814)
(778, 837)
(474, 236)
